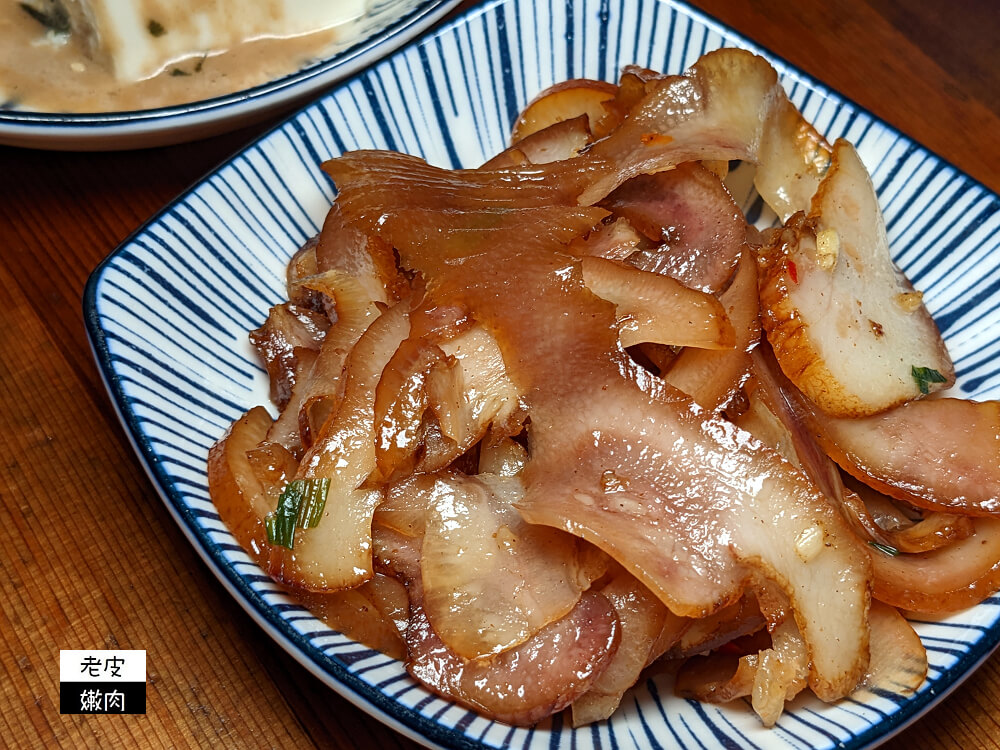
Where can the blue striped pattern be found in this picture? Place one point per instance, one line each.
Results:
(170, 309)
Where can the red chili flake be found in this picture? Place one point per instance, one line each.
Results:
(792, 271)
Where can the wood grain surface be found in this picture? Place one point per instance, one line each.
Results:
(90, 557)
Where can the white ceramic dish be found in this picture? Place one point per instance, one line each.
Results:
(389, 24)
(169, 310)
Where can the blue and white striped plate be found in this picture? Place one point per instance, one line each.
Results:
(169, 311)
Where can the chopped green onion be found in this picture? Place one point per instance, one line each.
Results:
(314, 501)
(281, 523)
(885, 548)
(926, 375)
(301, 505)
(280, 530)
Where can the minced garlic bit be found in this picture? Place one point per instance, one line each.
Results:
(827, 248)
(506, 539)
(809, 543)
(910, 301)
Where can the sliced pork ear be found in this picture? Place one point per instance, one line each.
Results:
(643, 620)
(471, 390)
(285, 429)
(519, 686)
(525, 684)
(729, 623)
(899, 660)
(687, 211)
(658, 309)
(633, 84)
(940, 454)
(566, 100)
(302, 265)
(776, 413)
(400, 402)
(905, 528)
(845, 324)
(240, 498)
(781, 672)
(710, 377)
(729, 105)
(771, 677)
(347, 249)
(354, 309)
(491, 581)
(945, 580)
(651, 519)
(779, 415)
(719, 677)
(366, 614)
(640, 473)
(560, 140)
(336, 554)
(373, 184)
(404, 507)
(288, 329)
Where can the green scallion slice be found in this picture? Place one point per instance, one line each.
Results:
(314, 501)
(301, 506)
(281, 523)
(885, 549)
(925, 376)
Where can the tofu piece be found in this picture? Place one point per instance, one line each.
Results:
(138, 39)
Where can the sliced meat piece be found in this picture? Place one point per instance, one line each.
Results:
(560, 140)
(287, 331)
(689, 504)
(945, 580)
(698, 229)
(899, 660)
(940, 454)
(643, 620)
(336, 554)
(370, 614)
(658, 309)
(491, 581)
(845, 325)
(712, 377)
(565, 100)
(525, 684)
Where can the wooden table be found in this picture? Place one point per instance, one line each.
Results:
(90, 558)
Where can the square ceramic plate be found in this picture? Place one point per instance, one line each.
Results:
(169, 311)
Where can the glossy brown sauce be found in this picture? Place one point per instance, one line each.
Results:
(42, 71)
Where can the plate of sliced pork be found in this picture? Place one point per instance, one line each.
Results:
(583, 394)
